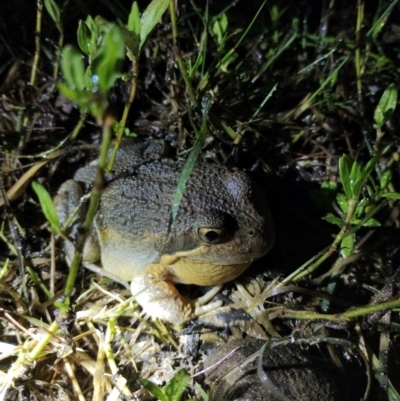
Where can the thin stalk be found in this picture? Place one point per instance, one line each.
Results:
(110, 356)
(38, 349)
(229, 54)
(38, 31)
(360, 18)
(122, 123)
(345, 316)
(79, 125)
(181, 64)
(57, 56)
(204, 35)
(36, 58)
(335, 244)
(93, 204)
(318, 256)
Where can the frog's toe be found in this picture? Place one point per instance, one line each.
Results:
(209, 295)
(160, 299)
(201, 304)
(201, 310)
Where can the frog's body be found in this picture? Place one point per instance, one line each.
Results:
(220, 228)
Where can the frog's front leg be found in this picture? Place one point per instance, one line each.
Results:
(155, 291)
(68, 203)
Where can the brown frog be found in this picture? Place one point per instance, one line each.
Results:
(222, 225)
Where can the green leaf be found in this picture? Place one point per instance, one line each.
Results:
(367, 169)
(177, 385)
(359, 212)
(153, 389)
(151, 17)
(369, 223)
(355, 176)
(69, 93)
(381, 21)
(190, 162)
(219, 27)
(372, 223)
(4, 269)
(89, 78)
(343, 202)
(330, 218)
(105, 64)
(73, 68)
(134, 19)
(344, 173)
(392, 195)
(94, 35)
(47, 206)
(329, 185)
(64, 305)
(90, 38)
(92, 26)
(192, 69)
(132, 42)
(84, 37)
(201, 391)
(347, 246)
(53, 9)
(386, 179)
(82, 99)
(102, 23)
(132, 33)
(386, 106)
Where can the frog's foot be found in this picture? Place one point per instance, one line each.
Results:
(158, 296)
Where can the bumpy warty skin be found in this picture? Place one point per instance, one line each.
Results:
(207, 199)
(132, 222)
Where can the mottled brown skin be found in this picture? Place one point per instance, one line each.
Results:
(222, 225)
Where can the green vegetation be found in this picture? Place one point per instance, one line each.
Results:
(172, 391)
(306, 97)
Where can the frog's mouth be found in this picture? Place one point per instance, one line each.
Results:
(205, 273)
(186, 269)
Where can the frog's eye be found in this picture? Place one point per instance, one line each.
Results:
(210, 235)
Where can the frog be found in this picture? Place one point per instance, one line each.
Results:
(222, 224)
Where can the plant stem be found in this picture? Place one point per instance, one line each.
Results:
(78, 126)
(122, 123)
(343, 317)
(36, 58)
(334, 246)
(57, 56)
(181, 65)
(36, 352)
(38, 31)
(360, 18)
(93, 204)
